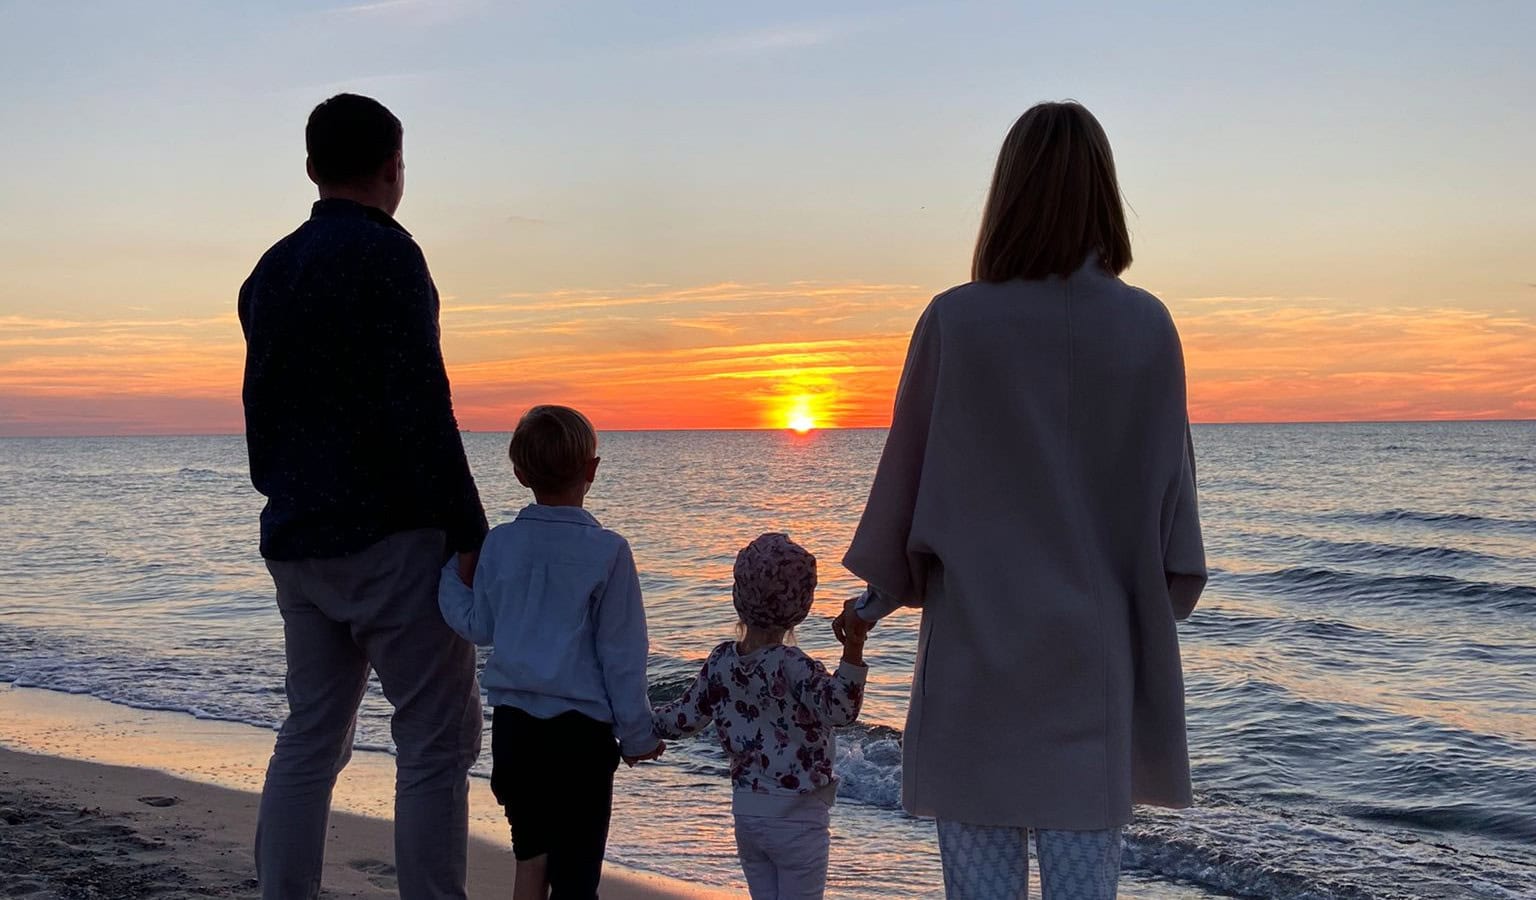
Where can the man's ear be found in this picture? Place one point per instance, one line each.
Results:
(393, 167)
(309, 167)
(518, 474)
(592, 468)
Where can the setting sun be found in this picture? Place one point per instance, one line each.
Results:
(798, 417)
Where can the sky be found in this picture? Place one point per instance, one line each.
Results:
(731, 215)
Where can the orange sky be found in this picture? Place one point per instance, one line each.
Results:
(745, 356)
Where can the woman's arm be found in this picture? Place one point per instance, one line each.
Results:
(1183, 545)
(882, 552)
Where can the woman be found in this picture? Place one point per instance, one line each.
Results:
(1036, 497)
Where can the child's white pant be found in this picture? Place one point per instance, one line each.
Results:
(784, 859)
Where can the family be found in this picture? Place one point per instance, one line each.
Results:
(1035, 499)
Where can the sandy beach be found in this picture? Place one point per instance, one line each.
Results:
(99, 800)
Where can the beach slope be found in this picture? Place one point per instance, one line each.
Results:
(98, 800)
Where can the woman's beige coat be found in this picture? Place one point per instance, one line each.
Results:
(1036, 497)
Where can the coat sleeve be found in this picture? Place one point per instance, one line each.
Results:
(882, 552)
(1183, 546)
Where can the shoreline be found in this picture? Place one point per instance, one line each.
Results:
(98, 799)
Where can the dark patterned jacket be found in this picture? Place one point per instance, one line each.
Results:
(349, 420)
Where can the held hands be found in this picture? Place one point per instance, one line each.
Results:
(851, 631)
(467, 563)
(848, 628)
(661, 747)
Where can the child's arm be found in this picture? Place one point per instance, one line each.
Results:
(622, 648)
(469, 611)
(837, 698)
(689, 713)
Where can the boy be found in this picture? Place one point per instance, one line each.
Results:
(558, 597)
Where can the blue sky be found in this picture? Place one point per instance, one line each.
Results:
(1364, 156)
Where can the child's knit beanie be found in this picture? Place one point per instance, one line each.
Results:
(775, 582)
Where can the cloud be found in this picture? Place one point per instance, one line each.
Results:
(416, 10)
(1272, 360)
(782, 38)
(770, 39)
(740, 355)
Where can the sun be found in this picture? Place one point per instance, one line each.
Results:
(800, 415)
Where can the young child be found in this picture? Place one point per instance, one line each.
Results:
(774, 709)
(558, 598)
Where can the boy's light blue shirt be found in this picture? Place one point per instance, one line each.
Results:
(557, 597)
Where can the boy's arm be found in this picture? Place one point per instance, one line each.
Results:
(469, 611)
(689, 713)
(622, 648)
(837, 698)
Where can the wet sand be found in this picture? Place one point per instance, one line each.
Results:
(103, 801)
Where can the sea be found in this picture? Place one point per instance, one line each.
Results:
(1361, 670)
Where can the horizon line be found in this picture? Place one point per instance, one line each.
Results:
(1239, 424)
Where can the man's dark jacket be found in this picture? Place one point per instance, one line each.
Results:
(348, 416)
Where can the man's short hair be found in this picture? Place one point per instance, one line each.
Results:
(551, 447)
(349, 137)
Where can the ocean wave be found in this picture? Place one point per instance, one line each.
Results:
(1458, 520)
(1248, 850)
(1317, 583)
(1372, 551)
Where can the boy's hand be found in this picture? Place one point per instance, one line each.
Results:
(661, 747)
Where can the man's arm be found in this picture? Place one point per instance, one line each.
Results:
(421, 401)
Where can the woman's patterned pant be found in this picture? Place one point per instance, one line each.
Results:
(983, 862)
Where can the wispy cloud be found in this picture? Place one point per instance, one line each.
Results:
(1268, 360)
(783, 37)
(416, 10)
(770, 39)
(741, 355)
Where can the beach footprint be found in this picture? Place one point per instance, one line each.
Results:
(159, 801)
(380, 873)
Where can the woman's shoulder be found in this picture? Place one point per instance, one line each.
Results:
(1149, 311)
(974, 296)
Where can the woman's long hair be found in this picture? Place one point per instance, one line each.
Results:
(1054, 201)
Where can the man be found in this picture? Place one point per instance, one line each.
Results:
(352, 438)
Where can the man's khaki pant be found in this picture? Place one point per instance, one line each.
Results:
(378, 609)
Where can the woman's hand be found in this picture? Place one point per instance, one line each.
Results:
(848, 626)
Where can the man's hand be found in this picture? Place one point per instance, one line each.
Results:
(467, 564)
(848, 626)
(661, 747)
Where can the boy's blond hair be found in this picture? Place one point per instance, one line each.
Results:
(551, 447)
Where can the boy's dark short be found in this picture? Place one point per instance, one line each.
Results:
(554, 777)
